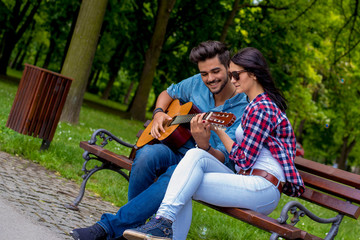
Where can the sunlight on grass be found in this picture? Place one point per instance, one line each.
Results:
(65, 157)
(14, 73)
(107, 103)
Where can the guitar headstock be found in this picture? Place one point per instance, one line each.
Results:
(221, 120)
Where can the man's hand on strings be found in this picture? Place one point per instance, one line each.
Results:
(159, 121)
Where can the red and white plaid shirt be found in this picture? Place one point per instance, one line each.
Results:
(265, 125)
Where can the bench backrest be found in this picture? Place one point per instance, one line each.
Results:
(329, 187)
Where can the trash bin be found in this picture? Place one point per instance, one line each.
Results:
(38, 103)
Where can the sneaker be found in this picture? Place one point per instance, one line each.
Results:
(156, 228)
(95, 232)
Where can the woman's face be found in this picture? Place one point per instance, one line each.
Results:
(243, 81)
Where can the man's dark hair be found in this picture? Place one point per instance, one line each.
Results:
(210, 49)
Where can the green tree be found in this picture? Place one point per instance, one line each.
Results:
(19, 16)
(152, 55)
(81, 52)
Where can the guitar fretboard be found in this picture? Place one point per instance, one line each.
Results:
(184, 119)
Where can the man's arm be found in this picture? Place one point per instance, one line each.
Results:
(163, 102)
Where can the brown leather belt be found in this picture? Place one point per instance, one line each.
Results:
(262, 173)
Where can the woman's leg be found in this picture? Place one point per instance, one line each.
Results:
(250, 192)
(186, 179)
(181, 226)
(201, 175)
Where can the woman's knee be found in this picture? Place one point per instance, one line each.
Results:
(194, 154)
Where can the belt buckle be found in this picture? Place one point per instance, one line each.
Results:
(242, 172)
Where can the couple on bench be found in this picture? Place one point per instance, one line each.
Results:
(247, 166)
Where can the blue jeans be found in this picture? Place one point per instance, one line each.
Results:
(144, 194)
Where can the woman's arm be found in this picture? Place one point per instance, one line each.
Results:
(226, 140)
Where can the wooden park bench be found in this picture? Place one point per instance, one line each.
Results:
(326, 186)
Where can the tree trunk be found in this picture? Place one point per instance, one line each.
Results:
(92, 74)
(229, 20)
(38, 52)
(96, 78)
(127, 96)
(19, 65)
(16, 59)
(345, 150)
(80, 56)
(114, 66)
(138, 108)
(71, 32)
(9, 44)
(299, 135)
(108, 87)
(49, 52)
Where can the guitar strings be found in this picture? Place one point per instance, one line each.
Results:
(184, 118)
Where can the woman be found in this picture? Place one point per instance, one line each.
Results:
(263, 154)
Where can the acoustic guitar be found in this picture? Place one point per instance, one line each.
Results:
(177, 131)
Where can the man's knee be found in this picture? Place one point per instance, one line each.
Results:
(146, 157)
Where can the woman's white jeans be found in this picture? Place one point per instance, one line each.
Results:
(201, 176)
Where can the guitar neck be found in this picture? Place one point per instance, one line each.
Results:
(185, 118)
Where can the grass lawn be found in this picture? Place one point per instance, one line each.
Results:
(65, 158)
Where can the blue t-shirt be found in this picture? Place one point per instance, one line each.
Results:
(194, 90)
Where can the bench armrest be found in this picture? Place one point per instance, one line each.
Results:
(106, 136)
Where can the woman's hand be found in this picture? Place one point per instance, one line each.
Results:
(159, 121)
(200, 130)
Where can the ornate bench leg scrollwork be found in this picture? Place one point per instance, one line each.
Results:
(298, 210)
(106, 136)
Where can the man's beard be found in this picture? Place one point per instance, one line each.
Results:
(222, 86)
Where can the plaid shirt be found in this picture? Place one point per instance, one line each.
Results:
(265, 125)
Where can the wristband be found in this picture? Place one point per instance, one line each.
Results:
(208, 149)
(156, 111)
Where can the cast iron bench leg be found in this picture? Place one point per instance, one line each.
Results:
(89, 173)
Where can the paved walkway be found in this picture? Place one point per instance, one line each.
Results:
(32, 202)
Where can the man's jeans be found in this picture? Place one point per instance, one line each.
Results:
(144, 194)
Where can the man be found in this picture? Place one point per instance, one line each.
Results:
(210, 90)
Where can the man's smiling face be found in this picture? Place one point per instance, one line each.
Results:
(214, 74)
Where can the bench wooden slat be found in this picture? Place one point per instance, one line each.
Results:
(329, 172)
(332, 203)
(264, 222)
(336, 189)
(119, 160)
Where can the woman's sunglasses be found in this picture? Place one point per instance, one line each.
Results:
(236, 74)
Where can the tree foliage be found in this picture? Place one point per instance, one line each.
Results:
(312, 47)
